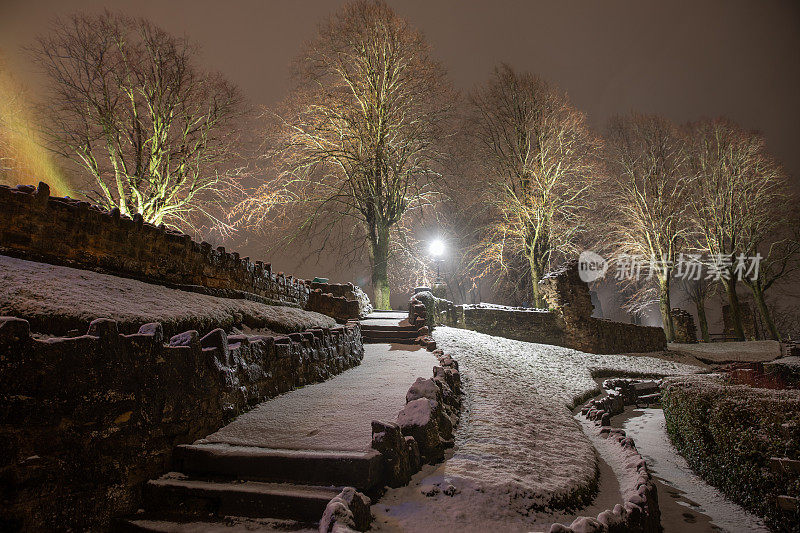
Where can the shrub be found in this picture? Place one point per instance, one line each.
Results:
(727, 433)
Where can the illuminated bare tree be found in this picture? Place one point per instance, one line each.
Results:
(131, 108)
(355, 144)
(737, 186)
(538, 156)
(8, 111)
(646, 197)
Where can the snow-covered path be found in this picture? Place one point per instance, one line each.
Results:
(519, 455)
(335, 414)
(686, 490)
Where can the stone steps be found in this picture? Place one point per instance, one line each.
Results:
(226, 525)
(175, 495)
(362, 470)
(227, 488)
(388, 327)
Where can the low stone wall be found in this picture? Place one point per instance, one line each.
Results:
(639, 509)
(568, 323)
(729, 433)
(86, 421)
(530, 325)
(342, 301)
(424, 427)
(69, 232)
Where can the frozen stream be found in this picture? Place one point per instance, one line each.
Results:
(687, 502)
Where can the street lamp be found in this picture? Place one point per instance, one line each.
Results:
(436, 250)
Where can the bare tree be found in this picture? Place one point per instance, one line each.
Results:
(736, 188)
(779, 251)
(355, 144)
(538, 156)
(699, 291)
(132, 109)
(646, 196)
(787, 321)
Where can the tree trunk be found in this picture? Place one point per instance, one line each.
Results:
(736, 313)
(758, 294)
(701, 316)
(665, 307)
(538, 300)
(379, 256)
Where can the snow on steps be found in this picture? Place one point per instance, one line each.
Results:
(362, 470)
(227, 525)
(244, 488)
(388, 326)
(175, 494)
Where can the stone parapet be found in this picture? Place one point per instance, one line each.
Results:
(86, 421)
(567, 323)
(683, 322)
(64, 231)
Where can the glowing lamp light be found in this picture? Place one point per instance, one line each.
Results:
(437, 248)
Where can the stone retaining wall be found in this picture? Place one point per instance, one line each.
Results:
(64, 231)
(342, 301)
(86, 421)
(568, 322)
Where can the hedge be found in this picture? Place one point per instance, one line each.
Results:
(727, 433)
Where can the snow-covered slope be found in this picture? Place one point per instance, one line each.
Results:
(56, 299)
(519, 453)
(726, 352)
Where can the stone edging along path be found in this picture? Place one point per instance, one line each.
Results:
(639, 509)
(422, 431)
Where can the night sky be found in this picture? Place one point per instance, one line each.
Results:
(685, 60)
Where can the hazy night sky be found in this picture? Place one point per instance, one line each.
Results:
(685, 60)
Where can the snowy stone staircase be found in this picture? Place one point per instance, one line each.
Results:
(218, 487)
(388, 327)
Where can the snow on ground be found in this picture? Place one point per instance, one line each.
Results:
(692, 495)
(518, 454)
(335, 414)
(485, 305)
(726, 352)
(56, 299)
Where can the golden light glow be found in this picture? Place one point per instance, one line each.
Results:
(23, 157)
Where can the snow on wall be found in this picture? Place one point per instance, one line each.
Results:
(57, 299)
(85, 421)
(568, 322)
